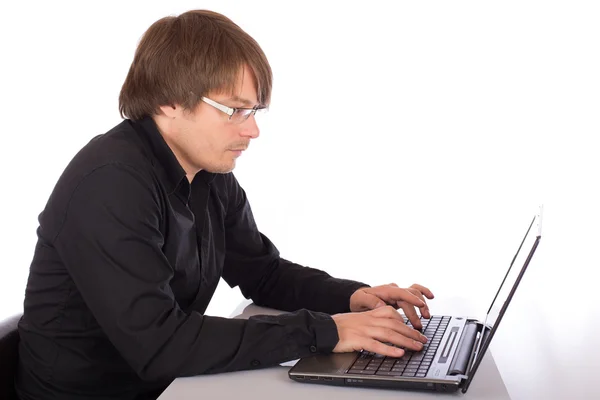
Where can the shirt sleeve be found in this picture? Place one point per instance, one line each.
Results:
(110, 242)
(253, 263)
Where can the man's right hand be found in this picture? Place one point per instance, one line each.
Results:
(371, 330)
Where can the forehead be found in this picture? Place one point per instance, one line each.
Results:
(244, 91)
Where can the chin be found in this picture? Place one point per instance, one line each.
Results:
(224, 168)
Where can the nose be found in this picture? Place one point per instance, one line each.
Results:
(249, 128)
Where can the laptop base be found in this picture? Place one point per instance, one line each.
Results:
(448, 387)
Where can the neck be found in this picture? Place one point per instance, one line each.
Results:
(190, 172)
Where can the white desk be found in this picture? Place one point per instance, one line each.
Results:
(272, 383)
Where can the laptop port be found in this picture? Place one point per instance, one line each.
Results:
(327, 378)
(299, 377)
(313, 378)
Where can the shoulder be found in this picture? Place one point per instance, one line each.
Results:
(112, 165)
(120, 145)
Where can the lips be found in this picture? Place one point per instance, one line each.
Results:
(244, 147)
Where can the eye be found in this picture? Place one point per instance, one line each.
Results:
(241, 114)
(242, 111)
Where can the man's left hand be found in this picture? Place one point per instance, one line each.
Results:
(370, 298)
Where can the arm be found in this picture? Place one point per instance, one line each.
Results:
(110, 242)
(253, 263)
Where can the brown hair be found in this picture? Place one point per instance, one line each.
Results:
(179, 59)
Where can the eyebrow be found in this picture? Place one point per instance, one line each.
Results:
(239, 99)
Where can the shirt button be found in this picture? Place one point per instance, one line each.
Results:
(313, 349)
(255, 363)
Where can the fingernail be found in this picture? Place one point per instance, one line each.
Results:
(424, 338)
(380, 304)
(419, 344)
(399, 351)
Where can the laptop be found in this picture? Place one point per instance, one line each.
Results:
(449, 360)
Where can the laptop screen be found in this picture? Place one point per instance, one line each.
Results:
(507, 289)
(511, 276)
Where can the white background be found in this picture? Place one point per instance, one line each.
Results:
(405, 142)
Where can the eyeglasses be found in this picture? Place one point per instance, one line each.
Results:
(236, 115)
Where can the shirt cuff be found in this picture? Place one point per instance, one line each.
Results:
(341, 300)
(325, 333)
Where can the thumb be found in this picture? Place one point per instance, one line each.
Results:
(372, 302)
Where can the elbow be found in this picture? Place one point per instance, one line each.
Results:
(158, 368)
(155, 372)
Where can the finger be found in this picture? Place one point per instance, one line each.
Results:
(424, 310)
(399, 326)
(412, 316)
(369, 301)
(388, 312)
(392, 319)
(393, 294)
(428, 293)
(389, 335)
(381, 348)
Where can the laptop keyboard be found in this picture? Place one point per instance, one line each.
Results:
(411, 363)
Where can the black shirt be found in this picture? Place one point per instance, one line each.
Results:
(129, 254)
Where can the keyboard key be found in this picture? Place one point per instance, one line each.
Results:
(388, 373)
(361, 372)
(420, 375)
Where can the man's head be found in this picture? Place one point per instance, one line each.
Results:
(188, 73)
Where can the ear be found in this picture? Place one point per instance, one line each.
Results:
(171, 111)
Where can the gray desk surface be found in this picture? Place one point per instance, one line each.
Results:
(271, 383)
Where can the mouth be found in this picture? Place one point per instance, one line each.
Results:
(237, 153)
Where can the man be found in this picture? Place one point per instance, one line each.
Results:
(146, 219)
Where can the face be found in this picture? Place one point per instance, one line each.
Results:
(204, 138)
